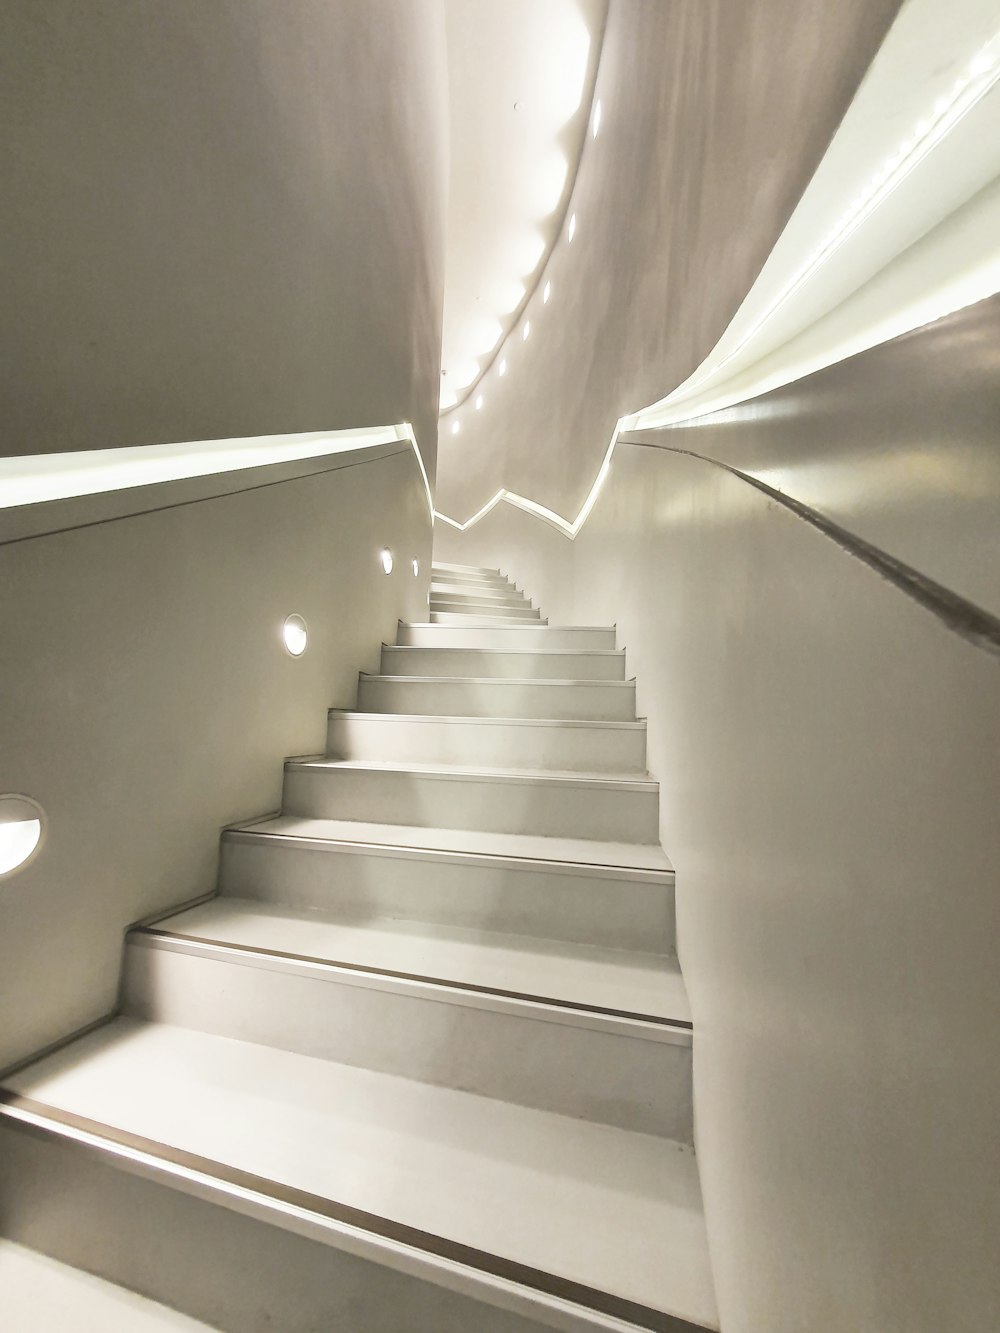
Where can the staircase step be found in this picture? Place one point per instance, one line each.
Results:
(471, 570)
(468, 620)
(569, 805)
(518, 663)
(263, 974)
(476, 606)
(537, 1213)
(610, 700)
(501, 742)
(441, 592)
(545, 637)
(309, 864)
(474, 587)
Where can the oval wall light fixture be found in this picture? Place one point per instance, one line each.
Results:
(456, 426)
(526, 331)
(502, 368)
(416, 568)
(546, 293)
(571, 231)
(479, 402)
(21, 821)
(386, 558)
(295, 635)
(595, 127)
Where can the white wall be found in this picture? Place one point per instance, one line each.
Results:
(715, 115)
(829, 760)
(148, 700)
(224, 219)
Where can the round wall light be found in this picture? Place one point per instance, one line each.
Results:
(571, 232)
(416, 568)
(295, 635)
(21, 821)
(386, 558)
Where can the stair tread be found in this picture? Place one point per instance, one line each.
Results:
(531, 847)
(573, 777)
(425, 624)
(615, 722)
(585, 975)
(612, 1209)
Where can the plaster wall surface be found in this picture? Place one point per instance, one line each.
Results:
(829, 758)
(147, 700)
(715, 115)
(222, 219)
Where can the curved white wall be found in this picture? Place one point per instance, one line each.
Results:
(228, 219)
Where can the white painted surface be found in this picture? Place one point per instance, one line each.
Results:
(41, 1295)
(602, 1206)
(407, 660)
(586, 975)
(583, 699)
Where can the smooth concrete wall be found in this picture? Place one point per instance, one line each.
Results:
(222, 219)
(147, 699)
(715, 115)
(829, 760)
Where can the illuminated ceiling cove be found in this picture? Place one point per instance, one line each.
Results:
(521, 75)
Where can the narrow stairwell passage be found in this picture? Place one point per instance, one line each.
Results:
(432, 1021)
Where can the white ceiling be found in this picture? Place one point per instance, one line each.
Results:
(521, 76)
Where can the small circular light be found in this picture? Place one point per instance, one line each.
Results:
(546, 293)
(21, 821)
(416, 567)
(572, 227)
(295, 634)
(386, 558)
(595, 129)
(479, 402)
(456, 426)
(503, 368)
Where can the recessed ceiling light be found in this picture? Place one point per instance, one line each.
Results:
(295, 635)
(546, 293)
(572, 227)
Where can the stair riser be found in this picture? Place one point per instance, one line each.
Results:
(466, 571)
(397, 661)
(497, 699)
(556, 903)
(528, 636)
(487, 586)
(426, 801)
(466, 618)
(480, 607)
(603, 1076)
(447, 592)
(216, 1259)
(488, 744)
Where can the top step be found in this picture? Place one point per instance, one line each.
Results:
(437, 567)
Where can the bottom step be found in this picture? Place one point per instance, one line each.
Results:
(549, 1220)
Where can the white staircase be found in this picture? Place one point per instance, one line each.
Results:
(424, 1063)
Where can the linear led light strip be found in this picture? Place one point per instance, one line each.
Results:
(35, 479)
(982, 74)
